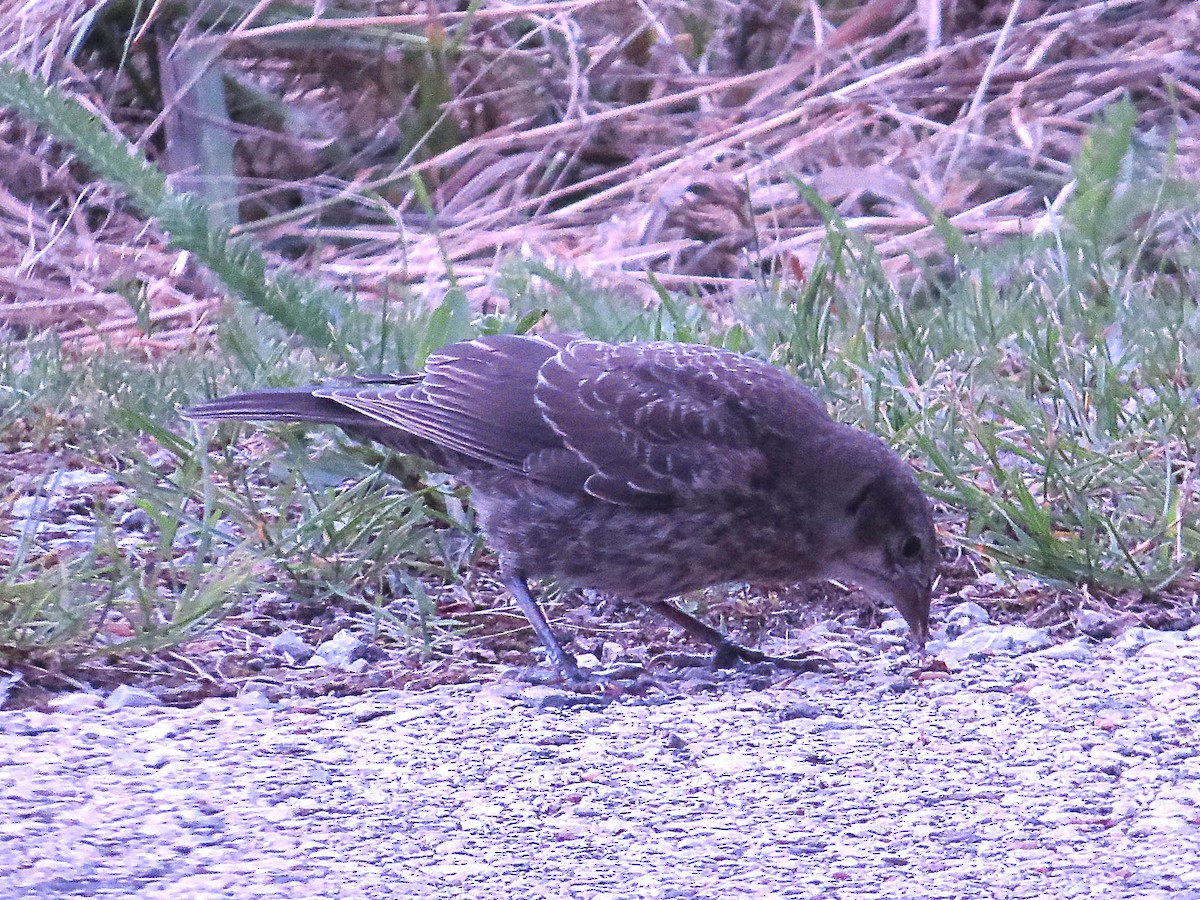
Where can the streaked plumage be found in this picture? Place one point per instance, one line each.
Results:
(641, 469)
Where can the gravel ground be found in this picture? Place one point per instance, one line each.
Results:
(1067, 772)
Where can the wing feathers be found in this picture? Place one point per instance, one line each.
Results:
(638, 424)
(667, 420)
(302, 404)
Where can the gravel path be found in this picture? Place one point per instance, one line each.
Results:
(1067, 773)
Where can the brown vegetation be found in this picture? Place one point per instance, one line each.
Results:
(606, 136)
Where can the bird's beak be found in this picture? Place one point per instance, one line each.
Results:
(911, 597)
(909, 594)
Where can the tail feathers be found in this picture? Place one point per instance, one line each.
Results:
(280, 405)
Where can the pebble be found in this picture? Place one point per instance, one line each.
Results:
(1078, 649)
(136, 520)
(893, 625)
(163, 460)
(290, 644)
(7, 683)
(75, 702)
(341, 651)
(969, 610)
(1135, 639)
(1021, 774)
(126, 697)
(77, 479)
(989, 640)
(1093, 623)
(800, 709)
(29, 507)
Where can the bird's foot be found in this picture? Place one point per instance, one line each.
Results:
(729, 654)
(627, 678)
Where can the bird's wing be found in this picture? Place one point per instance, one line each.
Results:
(661, 421)
(474, 398)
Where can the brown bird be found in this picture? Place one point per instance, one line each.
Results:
(644, 470)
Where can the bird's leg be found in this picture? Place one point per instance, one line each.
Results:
(726, 651)
(619, 679)
(563, 662)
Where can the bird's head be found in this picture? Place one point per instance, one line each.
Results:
(883, 537)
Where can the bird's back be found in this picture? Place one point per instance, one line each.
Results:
(636, 424)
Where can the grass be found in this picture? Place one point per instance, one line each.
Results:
(1046, 388)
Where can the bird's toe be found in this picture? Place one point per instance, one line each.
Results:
(627, 678)
(729, 654)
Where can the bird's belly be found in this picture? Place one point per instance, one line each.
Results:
(638, 554)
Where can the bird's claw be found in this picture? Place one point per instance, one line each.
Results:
(729, 654)
(627, 678)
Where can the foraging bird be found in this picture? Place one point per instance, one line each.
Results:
(645, 470)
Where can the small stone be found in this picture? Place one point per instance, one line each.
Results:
(969, 610)
(161, 460)
(6, 685)
(69, 479)
(1135, 639)
(291, 645)
(897, 643)
(1064, 833)
(586, 809)
(136, 520)
(612, 651)
(1094, 624)
(126, 697)
(1078, 649)
(894, 625)
(1168, 647)
(1165, 807)
(340, 651)
(991, 640)
(1177, 755)
(367, 710)
(450, 847)
(1149, 825)
(253, 699)
(900, 685)
(76, 702)
(30, 507)
(160, 731)
(541, 697)
(728, 763)
(801, 709)
(1024, 639)
(1107, 761)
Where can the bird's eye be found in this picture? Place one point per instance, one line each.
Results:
(912, 547)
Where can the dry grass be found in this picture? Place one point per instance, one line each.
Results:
(615, 138)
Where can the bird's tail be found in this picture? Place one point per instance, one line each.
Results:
(276, 404)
